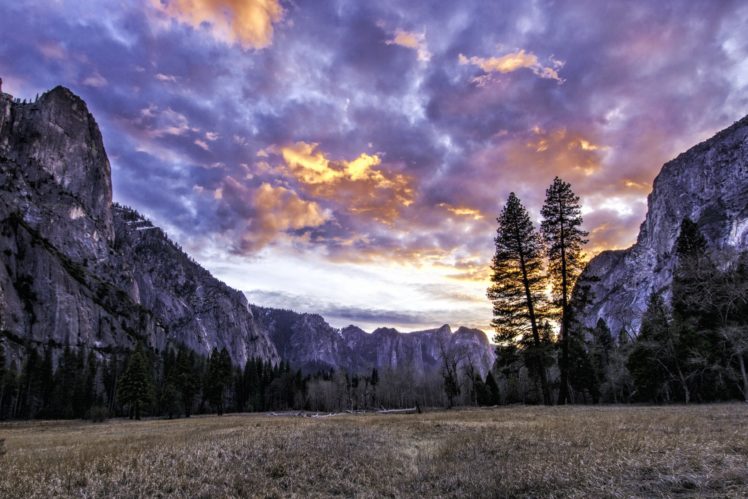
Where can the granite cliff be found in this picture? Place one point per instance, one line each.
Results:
(308, 342)
(709, 185)
(77, 270)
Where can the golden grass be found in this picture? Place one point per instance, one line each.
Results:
(504, 452)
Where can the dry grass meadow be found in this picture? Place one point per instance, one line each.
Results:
(502, 452)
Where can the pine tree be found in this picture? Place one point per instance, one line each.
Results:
(692, 268)
(135, 388)
(562, 219)
(218, 378)
(516, 289)
(649, 361)
(695, 319)
(187, 378)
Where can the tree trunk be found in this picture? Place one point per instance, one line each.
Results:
(741, 363)
(535, 334)
(684, 384)
(563, 393)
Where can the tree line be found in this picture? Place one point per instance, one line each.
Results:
(692, 344)
(179, 382)
(143, 382)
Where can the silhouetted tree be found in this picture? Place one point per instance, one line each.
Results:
(560, 227)
(516, 290)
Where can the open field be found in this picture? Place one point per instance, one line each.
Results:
(513, 451)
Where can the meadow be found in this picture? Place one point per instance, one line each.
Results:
(621, 451)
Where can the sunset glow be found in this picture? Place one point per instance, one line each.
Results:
(350, 158)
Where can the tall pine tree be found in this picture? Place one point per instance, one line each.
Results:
(218, 378)
(516, 289)
(135, 388)
(564, 238)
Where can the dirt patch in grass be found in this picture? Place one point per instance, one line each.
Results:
(503, 452)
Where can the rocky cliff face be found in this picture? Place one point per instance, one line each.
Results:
(310, 343)
(709, 184)
(76, 270)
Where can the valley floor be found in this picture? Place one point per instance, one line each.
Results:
(509, 451)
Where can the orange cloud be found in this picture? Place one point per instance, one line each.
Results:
(361, 186)
(414, 41)
(462, 211)
(557, 152)
(269, 211)
(514, 61)
(248, 23)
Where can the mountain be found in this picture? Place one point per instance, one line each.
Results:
(708, 184)
(311, 344)
(79, 271)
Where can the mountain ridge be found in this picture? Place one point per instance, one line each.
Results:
(311, 344)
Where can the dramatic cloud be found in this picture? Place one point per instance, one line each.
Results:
(360, 186)
(266, 211)
(514, 61)
(362, 156)
(246, 22)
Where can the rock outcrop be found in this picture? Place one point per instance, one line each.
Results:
(76, 270)
(311, 344)
(708, 184)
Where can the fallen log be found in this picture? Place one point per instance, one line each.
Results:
(410, 410)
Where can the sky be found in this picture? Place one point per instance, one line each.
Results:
(350, 158)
